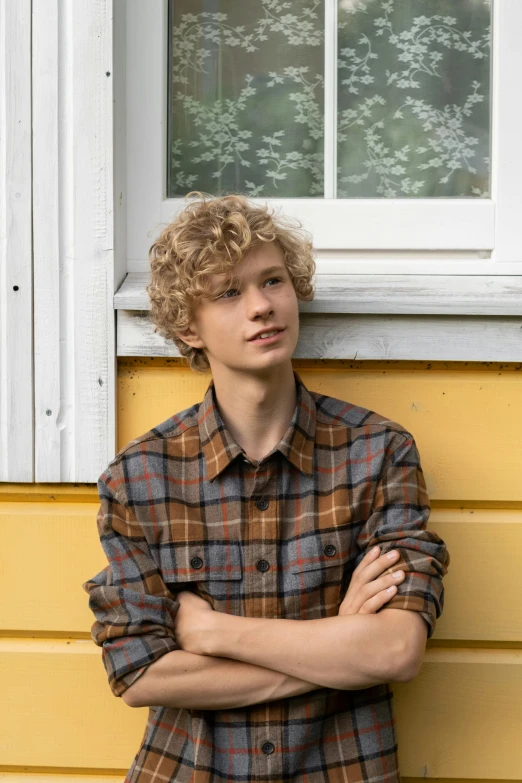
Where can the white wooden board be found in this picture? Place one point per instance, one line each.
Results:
(16, 333)
(74, 360)
(352, 336)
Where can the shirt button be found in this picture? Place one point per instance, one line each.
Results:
(263, 565)
(262, 504)
(196, 562)
(267, 747)
(330, 550)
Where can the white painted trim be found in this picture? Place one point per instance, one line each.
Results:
(357, 224)
(73, 240)
(384, 294)
(120, 143)
(330, 98)
(378, 337)
(16, 337)
(507, 122)
(385, 224)
(403, 262)
(146, 126)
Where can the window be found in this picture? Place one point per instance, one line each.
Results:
(375, 122)
(247, 86)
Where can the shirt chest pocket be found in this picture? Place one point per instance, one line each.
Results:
(212, 569)
(319, 570)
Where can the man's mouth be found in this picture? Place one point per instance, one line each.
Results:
(268, 335)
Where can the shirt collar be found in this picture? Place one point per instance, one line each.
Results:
(219, 447)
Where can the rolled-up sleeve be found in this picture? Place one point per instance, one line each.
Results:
(400, 512)
(133, 607)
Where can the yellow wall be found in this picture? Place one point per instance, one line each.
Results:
(461, 718)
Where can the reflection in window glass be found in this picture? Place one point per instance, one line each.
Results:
(413, 98)
(246, 96)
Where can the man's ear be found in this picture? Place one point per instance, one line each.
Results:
(191, 337)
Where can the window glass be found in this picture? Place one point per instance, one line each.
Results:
(246, 98)
(413, 98)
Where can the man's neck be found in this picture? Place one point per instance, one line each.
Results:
(257, 410)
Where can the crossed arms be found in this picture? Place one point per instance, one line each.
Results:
(162, 652)
(227, 661)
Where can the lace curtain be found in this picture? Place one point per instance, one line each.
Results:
(246, 98)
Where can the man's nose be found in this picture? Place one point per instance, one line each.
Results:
(258, 303)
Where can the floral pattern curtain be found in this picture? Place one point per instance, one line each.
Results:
(246, 98)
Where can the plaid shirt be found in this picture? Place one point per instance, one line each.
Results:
(182, 504)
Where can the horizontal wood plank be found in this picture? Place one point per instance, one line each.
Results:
(58, 696)
(61, 549)
(48, 550)
(461, 716)
(450, 412)
(470, 701)
(484, 580)
(376, 337)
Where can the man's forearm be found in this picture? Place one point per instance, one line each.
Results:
(184, 679)
(343, 652)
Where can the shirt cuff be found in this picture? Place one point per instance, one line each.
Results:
(126, 658)
(415, 603)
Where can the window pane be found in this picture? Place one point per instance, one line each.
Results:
(413, 98)
(246, 95)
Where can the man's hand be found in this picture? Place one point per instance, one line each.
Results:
(368, 591)
(195, 621)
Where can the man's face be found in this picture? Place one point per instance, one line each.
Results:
(261, 298)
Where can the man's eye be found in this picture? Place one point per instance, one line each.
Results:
(229, 291)
(276, 279)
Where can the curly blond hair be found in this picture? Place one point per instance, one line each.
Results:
(210, 236)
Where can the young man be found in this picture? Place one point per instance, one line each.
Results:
(270, 570)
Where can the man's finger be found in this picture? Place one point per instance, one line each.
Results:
(373, 604)
(377, 585)
(375, 567)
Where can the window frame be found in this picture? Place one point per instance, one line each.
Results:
(480, 236)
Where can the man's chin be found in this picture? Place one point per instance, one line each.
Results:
(271, 360)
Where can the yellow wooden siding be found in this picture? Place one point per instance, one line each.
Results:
(460, 719)
(61, 545)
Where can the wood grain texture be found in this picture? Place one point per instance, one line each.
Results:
(374, 337)
(16, 273)
(390, 294)
(73, 239)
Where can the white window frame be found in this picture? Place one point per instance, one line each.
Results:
(415, 236)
